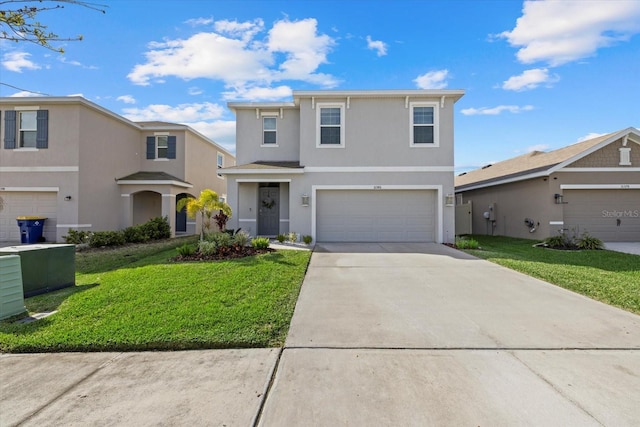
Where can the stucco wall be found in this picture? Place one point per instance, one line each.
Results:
(249, 136)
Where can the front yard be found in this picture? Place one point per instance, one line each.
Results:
(610, 277)
(131, 299)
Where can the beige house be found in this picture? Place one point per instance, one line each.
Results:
(592, 186)
(87, 168)
(346, 166)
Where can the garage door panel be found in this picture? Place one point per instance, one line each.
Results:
(375, 216)
(16, 204)
(610, 215)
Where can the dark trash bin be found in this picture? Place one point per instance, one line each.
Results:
(31, 228)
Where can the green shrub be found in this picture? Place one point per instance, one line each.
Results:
(307, 239)
(220, 239)
(241, 238)
(157, 228)
(186, 250)
(293, 237)
(99, 239)
(467, 243)
(588, 242)
(260, 242)
(207, 248)
(281, 238)
(135, 234)
(77, 237)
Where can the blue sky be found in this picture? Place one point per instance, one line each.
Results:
(537, 75)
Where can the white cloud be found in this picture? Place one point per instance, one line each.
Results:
(432, 80)
(194, 90)
(558, 32)
(64, 60)
(263, 93)
(589, 136)
(537, 147)
(235, 55)
(24, 94)
(127, 99)
(379, 46)
(494, 111)
(194, 22)
(18, 61)
(182, 113)
(223, 132)
(530, 79)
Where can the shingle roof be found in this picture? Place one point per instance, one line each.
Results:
(536, 161)
(151, 176)
(269, 165)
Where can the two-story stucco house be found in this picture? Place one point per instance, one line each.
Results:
(87, 168)
(346, 166)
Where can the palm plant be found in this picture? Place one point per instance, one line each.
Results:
(206, 204)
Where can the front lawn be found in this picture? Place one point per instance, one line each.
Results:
(131, 299)
(610, 277)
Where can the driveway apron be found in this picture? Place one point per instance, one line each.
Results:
(422, 334)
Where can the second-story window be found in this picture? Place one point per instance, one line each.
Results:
(424, 119)
(220, 164)
(28, 129)
(269, 130)
(330, 120)
(162, 146)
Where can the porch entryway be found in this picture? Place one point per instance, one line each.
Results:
(269, 209)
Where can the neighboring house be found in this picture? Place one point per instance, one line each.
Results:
(592, 186)
(346, 166)
(87, 168)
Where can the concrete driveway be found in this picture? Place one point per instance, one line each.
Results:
(390, 334)
(387, 334)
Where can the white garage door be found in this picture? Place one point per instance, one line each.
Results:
(610, 215)
(17, 204)
(376, 216)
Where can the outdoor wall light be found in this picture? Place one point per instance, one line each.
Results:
(305, 200)
(449, 200)
(67, 198)
(559, 198)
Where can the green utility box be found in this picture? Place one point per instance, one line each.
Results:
(45, 268)
(11, 293)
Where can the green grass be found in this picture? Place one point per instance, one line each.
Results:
(133, 299)
(610, 277)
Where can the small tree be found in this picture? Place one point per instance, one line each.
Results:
(206, 204)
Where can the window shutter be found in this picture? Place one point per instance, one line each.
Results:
(42, 129)
(10, 130)
(171, 147)
(151, 147)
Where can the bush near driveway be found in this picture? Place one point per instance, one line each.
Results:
(124, 301)
(610, 277)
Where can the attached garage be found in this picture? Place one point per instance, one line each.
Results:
(376, 215)
(26, 203)
(612, 215)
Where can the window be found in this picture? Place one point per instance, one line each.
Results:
(220, 164)
(330, 119)
(424, 119)
(625, 156)
(269, 131)
(161, 147)
(26, 128)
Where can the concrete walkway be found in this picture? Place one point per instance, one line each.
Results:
(382, 334)
(626, 247)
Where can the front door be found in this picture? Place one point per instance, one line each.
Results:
(269, 211)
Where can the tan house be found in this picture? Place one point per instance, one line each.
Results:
(592, 186)
(346, 166)
(87, 168)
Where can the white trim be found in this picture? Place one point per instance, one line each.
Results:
(161, 134)
(246, 220)
(283, 171)
(161, 159)
(26, 149)
(39, 168)
(373, 187)
(436, 124)
(268, 145)
(26, 108)
(73, 225)
(31, 189)
(151, 182)
(599, 170)
(284, 220)
(262, 180)
(341, 106)
(168, 195)
(393, 169)
(275, 131)
(600, 186)
(556, 222)
(125, 195)
(625, 155)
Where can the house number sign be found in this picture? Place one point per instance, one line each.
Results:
(377, 187)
